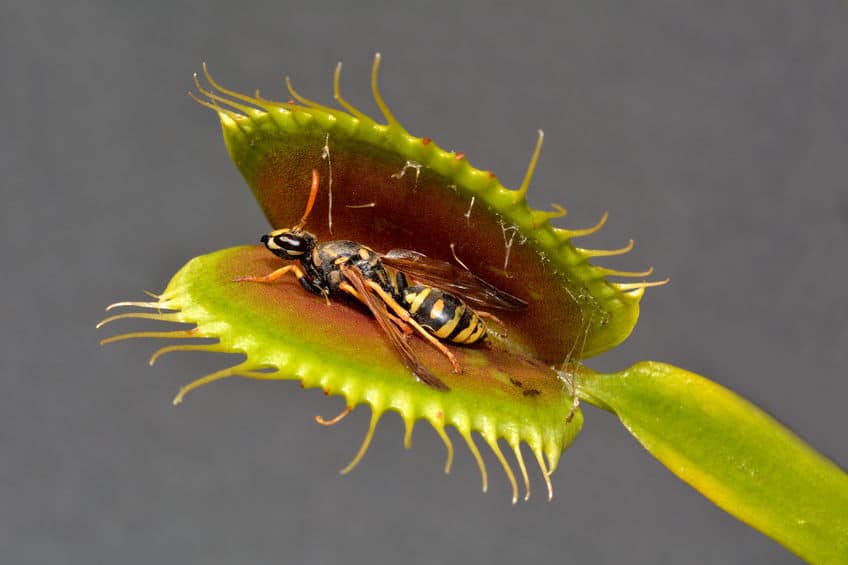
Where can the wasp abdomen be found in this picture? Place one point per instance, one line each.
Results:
(443, 314)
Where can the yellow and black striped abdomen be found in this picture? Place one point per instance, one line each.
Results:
(443, 314)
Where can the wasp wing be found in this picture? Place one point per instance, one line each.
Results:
(462, 282)
(378, 310)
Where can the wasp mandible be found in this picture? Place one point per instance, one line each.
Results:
(436, 306)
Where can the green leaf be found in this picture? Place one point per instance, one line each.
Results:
(387, 188)
(287, 333)
(733, 453)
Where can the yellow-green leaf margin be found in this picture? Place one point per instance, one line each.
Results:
(286, 333)
(733, 453)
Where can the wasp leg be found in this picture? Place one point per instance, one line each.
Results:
(298, 272)
(378, 310)
(273, 276)
(406, 317)
(403, 326)
(494, 319)
(348, 288)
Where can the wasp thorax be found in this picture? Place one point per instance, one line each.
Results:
(289, 244)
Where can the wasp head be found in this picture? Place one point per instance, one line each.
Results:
(289, 243)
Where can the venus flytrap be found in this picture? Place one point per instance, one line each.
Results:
(388, 189)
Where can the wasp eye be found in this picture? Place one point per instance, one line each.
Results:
(293, 244)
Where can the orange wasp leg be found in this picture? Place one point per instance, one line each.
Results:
(348, 288)
(273, 276)
(406, 317)
(493, 318)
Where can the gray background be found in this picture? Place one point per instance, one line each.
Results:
(714, 133)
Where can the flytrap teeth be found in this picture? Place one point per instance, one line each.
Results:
(204, 347)
(126, 304)
(607, 252)
(627, 274)
(241, 370)
(568, 234)
(161, 317)
(248, 369)
(538, 217)
(243, 105)
(493, 445)
(337, 95)
(177, 334)
(640, 286)
(521, 193)
(491, 441)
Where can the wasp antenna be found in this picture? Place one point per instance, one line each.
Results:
(408, 426)
(525, 184)
(545, 474)
(215, 98)
(337, 94)
(516, 448)
(304, 100)
(493, 444)
(216, 376)
(191, 347)
(477, 457)
(631, 274)
(333, 421)
(178, 334)
(378, 98)
(440, 429)
(375, 417)
(313, 192)
(607, 252)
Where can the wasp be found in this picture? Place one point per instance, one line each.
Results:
(436, 307)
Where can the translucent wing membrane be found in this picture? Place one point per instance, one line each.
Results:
(471, 288)
(396, 338)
